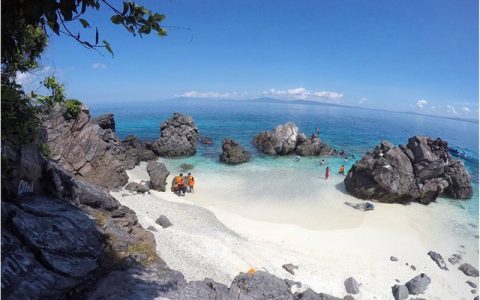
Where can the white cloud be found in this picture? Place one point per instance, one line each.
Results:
(33, 77)
(421, 103)
(303, 94)
(195, 94)
(451, 110)
(466, 109)
(99, 66)
(363, 100)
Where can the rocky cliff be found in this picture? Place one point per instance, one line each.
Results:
(65, 237)
(420, 171)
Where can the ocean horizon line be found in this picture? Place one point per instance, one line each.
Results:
(282, 101)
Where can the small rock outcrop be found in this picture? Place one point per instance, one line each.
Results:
(233, 153)
(351, 286)
(290, 268)
(361, 206)
(105, 121)
(158, 175)
(137, 187)
(469, 270)
(163, 221)
(400, 292)
(418, 284)
(178, 137)
(79, 146)
(437, 257)
(206, 140)
(286, 139)
(455, 259)
(420, 171)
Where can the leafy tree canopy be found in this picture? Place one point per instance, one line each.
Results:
(26, 25)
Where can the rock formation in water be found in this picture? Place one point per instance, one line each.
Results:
(420, 171)
(286, 139)
(233, 153)
(178, 137)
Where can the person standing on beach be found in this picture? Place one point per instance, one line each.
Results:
(327, 173)
(180, 184)
(342, 170)
(190, 182)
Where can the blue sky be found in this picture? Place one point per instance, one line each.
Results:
(417, 56)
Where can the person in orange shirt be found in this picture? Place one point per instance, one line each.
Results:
(342, 170)
(191, 182)
(180, 185)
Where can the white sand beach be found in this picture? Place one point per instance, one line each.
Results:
(232, 223)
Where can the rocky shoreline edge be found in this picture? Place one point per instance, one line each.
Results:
(64, 236)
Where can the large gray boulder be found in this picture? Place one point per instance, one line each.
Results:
(259, 285)
(178, 137)
(313, 146)
(233, 153)
(469, 270)
(280, 141)
(420, 171)
(158, 175)
(351, 286)
(80, 147)
(286, 139)
(418, 284)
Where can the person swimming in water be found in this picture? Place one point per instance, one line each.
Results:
(322, 162)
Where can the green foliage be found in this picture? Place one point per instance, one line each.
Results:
(57, 93)
(73, 108)
(25, 25)
(20, 112)
(19, 116)
(45, 150)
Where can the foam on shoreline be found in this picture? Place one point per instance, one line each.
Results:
(232, 223)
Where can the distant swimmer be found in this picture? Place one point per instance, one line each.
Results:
(342, 170)
(327, 173)
(346, 158)
(322, 162)
(353, 156)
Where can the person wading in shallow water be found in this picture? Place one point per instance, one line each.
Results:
(327, 173)
(342, 170)
(191, 182)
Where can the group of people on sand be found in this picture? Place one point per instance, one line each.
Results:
(182, 184)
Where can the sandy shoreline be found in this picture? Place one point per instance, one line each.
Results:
(219, 232)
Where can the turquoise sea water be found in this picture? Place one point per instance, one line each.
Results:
(354, 129)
